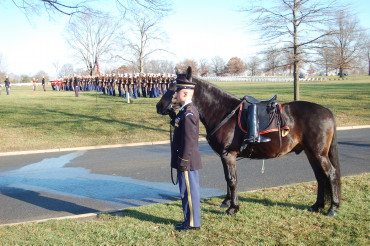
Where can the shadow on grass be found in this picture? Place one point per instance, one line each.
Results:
(151, 217)
(270, 203)
(264, 202)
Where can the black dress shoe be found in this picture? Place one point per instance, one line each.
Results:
(178, 225)
(184, 227)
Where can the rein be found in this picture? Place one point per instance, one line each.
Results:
(223, 121)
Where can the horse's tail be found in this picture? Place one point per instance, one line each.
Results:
(334, 159)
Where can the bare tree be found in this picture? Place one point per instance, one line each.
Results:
(235, 66)
(159, 7)
(156, 7)
(160, 66)
(324, 57)
(272, 58)
(367, 51)
(346, 43)
(253, 65)
(66, 70)
(62, 6)
(91, 36)
(204, 68)
(297, 24)
(40, 74)
(218, 65)
(142, 41)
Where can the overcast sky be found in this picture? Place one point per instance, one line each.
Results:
(196, 29)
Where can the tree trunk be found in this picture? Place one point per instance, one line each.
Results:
(295, 55)
(296, 80)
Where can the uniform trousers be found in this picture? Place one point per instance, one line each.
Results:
(190, 197)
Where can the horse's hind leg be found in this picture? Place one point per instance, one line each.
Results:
(227, 201)
(320, 178)
(326, 177)
(231, 201)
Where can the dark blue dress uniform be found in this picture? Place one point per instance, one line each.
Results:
(186, 159)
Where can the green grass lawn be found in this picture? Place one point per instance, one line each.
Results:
(276, 216)
(46, 120)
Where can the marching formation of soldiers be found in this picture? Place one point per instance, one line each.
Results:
(122, 85)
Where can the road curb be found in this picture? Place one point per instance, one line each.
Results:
(27, 152)
(79, 217)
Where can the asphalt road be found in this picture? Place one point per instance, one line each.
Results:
(51, 185)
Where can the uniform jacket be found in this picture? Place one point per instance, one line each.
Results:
(185, 150)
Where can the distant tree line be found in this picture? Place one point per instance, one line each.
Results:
(311, 37)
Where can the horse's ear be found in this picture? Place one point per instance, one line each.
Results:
(176, 71)
(188, 73)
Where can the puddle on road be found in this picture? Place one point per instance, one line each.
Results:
(51, 176)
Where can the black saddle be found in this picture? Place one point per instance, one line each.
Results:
(253, 100)
(266, 111)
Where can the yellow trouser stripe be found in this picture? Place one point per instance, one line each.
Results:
(186, 174)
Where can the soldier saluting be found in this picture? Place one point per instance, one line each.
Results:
(185, 155)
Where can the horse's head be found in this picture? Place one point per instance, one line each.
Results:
(167, 103)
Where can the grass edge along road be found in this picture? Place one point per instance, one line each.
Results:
(52, 120)
(267, 217)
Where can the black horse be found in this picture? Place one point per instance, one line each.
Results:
(312, 130)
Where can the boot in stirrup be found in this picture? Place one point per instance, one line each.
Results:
(253, 133)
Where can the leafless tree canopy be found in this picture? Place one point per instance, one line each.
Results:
(159, 7)
(346, 44)
(204, 68)
(144, 39)
(218, 65)
(91, 36)
(160, 66)
(293, 25)
(62, 6)
(253, 65)
(367, 51)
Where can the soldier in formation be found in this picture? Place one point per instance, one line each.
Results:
(121, 85)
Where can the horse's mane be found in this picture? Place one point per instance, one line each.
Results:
(215, 91)
(213, 103)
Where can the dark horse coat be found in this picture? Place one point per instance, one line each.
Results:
(312, 130)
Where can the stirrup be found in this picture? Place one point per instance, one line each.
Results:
(256, 139)
(261, 139)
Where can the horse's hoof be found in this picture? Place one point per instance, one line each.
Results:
(232, 211)
(331, 213)
(223, 205)
(315, 208)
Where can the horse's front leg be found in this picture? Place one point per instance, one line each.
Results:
(226, 202)
(231, 201)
